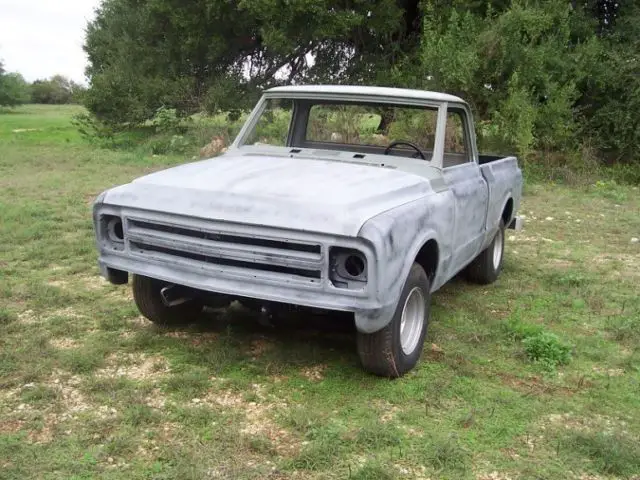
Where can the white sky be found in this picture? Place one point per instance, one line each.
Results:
(42, 38)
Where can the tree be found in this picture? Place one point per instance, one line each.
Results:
(14, 90)
(56, 90)
(540, 74)
(145, 54)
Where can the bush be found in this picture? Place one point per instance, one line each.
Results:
(547, 349)
(14, 90)
(57, 90)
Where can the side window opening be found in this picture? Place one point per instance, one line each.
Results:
(456, 140)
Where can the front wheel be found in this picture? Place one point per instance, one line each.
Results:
(394, 350)
(486, 267)
(148, 298)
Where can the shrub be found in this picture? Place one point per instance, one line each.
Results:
(547, 349)
(14, 90)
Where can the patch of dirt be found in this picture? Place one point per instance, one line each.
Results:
(532, 386)
(104, 412)
(24, 130)
(28, 317)
(64, 343)
(409, 471)
(314, 373)
(592, 423)
(122, 292)
(258, 417)
(559, 263)
(11, 426)
(259, 346)
(179, 334)
(609, 372)
(494, 476)
(139, 321)
(88, 282)
(93, 282)
(164, 434)
(203, 338)
(435, 352)
(67, 312)
(624, 265)
(156, 399)
(46, 433)
(387, 410)
(72, 399)
(58, 283)
(135, 366)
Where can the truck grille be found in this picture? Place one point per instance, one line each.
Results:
(230, 252)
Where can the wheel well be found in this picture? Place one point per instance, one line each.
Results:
(427, 258)
(508, 212)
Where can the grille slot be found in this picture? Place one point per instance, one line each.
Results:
(227, 238)
(226, 252)
(229, 263)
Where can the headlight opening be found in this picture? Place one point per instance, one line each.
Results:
(348, 268)
(112, 231)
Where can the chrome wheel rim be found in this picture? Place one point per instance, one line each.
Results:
(412, 320)
(497, 249)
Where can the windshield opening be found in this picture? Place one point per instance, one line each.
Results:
(349, 126)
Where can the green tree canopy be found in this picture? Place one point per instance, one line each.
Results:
(144, 54)
(540, 74)
(56, 90)
(14, 90)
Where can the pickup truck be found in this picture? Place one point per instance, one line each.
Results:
(352, 199)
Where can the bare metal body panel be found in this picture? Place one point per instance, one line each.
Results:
(260, 222)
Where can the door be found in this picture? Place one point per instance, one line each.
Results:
(462, 175)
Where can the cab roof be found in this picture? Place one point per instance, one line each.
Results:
(354, 90)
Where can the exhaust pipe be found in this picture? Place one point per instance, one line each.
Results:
(174, 295)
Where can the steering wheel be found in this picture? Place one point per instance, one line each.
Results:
(409, 144)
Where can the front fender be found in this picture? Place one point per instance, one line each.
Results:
(397, 237)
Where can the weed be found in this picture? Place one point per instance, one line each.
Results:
(378, 435)
(547, 349)
(624, 327)
(7, 316)
(39, 395)
(82, 360)
(445, 453)
(189, 383)
(373, 470)
(610, 454)
(139, 414)
(516, 329)
(611, 190)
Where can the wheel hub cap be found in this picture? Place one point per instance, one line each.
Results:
(497, 249)
(412, 320)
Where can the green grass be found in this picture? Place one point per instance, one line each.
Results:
(88, 389)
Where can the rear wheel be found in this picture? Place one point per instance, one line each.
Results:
(148, 298)
(394, 350)
(486, 267)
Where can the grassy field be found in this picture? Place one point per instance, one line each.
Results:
(89, 389)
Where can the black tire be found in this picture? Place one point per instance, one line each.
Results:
(382, 352)
(483, 270)
(146, 293)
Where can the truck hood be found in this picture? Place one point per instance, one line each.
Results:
(310, 195)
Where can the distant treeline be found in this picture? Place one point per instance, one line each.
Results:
(57, 90)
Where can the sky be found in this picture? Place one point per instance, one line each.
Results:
(42, 38)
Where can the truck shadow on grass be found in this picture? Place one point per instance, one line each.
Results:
(236, 339)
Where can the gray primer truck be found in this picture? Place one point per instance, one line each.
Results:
(363, 200)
